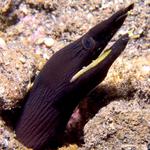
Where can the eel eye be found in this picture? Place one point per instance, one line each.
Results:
(88, 43)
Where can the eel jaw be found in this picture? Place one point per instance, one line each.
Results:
(108, 56)
(97, 38)
(93, 64)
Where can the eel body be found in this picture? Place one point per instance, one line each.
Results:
(68, 76)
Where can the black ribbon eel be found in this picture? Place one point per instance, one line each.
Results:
(67, 77)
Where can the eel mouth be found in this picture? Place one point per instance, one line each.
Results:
(108, 56)
(98, 37)
(93, 64)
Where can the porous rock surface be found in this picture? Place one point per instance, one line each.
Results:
(31, 31)
(125, 122)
